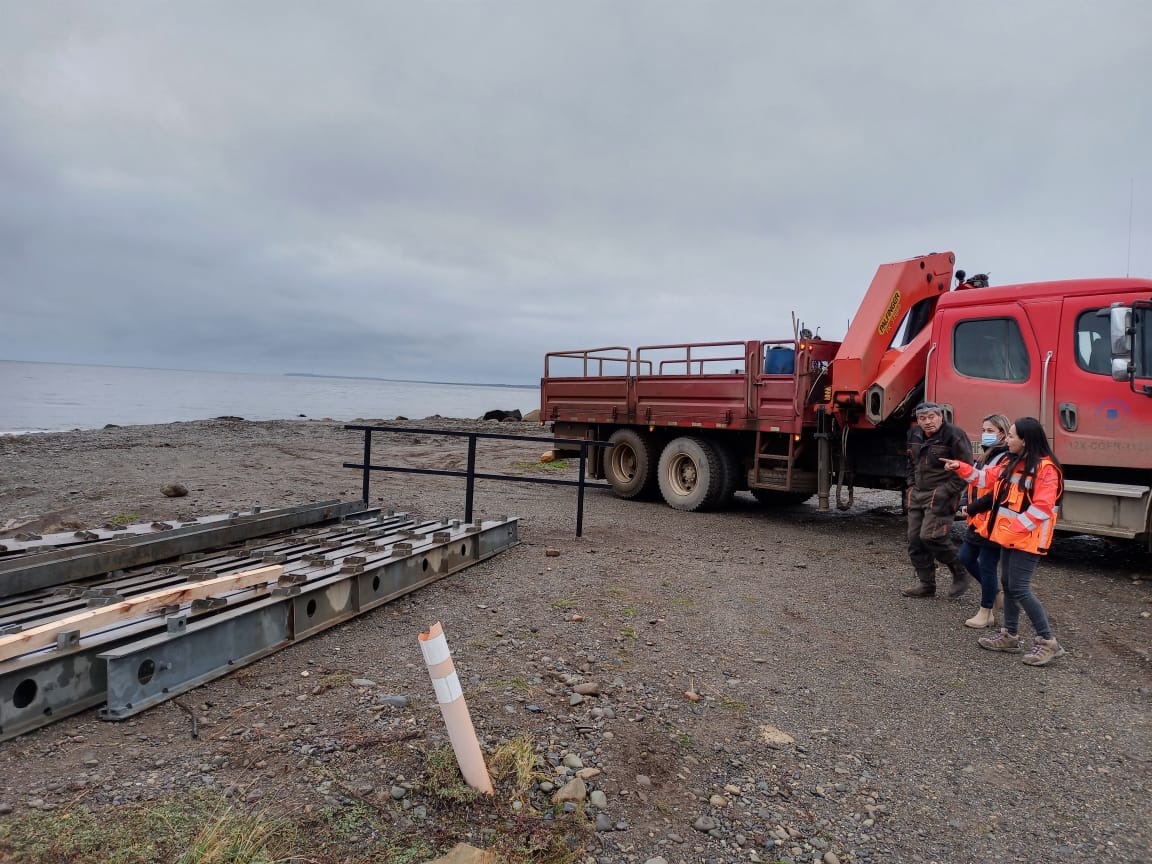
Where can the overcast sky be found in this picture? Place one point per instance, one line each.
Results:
(447, 190)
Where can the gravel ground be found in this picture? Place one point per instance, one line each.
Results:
(754, 686)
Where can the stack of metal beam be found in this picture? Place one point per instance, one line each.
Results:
(130, 622)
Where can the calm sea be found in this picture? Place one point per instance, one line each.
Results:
(51, 397)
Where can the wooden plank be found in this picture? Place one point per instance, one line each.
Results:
(138, 607)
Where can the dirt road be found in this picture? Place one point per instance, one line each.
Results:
(763, 692)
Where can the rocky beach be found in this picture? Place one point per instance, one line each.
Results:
(737, 686)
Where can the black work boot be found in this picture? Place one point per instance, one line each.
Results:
(960, 579)
(924, 587)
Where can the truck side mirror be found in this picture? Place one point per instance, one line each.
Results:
(1120, 339)
(1120, 326)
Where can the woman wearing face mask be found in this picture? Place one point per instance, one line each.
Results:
(1026, 490)
(977, 553)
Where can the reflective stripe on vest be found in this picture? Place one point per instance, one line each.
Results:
(1038, 524)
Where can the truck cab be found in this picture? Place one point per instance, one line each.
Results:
(1048, 350)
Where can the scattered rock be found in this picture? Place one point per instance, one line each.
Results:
(464, 853)
(575, 791)
(598, 799)
(772, 735)
(362, 682)
(589, 689)
(551, 553)
(174, 490)
(504, 416)
(394, 701)
(704, 824)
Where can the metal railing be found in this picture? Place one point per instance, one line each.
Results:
(471, 474)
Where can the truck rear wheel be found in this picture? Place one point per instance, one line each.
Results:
(730, 469)
(629, 464)
(689, 474)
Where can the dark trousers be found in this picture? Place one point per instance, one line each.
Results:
(1016, 570)
(928, 541)
(981, 561)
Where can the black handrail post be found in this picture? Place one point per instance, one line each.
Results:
(471, 483)
(580, 494)
(367, 461)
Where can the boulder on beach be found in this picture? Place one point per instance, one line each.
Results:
(504, 416)
(532, 416)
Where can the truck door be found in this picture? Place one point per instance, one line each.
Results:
(986, 361)
(1097, 422)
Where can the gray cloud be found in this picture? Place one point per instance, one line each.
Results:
(447, 191)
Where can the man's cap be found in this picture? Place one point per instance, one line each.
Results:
(929, 408)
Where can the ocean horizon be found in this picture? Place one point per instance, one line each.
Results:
(57, 397)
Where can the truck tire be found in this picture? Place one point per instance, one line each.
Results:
(730, 469)
(689, 474)
(776, 498)
(630, 464)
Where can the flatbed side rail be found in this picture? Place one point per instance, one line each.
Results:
(471, 474)
(618, 358)
(690, 358)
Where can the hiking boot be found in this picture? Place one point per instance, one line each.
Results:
(1043, 652)
(982, 619)
(1001, 641)
(920, 589)
(961, 581)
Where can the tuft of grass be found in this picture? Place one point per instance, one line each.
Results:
(238, 838)
(628, 611)
(444, 778)
(516, 764)
(125, 518)
(564, 604)
(683, 601)
(628, 632)
(516, 683)
(198, 828)
(616, 591)
(729, 704)
(554, 465)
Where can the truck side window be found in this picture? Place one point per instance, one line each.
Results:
(1092, 350)
(990, 348)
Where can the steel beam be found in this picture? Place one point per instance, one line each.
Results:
(32, 572)
(146, 672)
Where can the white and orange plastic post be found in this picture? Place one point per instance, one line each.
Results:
(458, 721)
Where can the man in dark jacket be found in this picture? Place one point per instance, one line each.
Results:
(933, 497)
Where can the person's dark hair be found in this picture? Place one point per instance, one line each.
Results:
(1029, 430)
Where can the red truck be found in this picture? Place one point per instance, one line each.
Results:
(786, 419)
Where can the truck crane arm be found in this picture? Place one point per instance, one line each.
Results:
(870, 376)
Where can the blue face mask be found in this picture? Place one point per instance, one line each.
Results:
(989, 439)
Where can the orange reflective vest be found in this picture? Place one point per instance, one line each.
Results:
(1026, 516)
(979, 521)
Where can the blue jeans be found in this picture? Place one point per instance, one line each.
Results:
(981, 562)
(1016, 569)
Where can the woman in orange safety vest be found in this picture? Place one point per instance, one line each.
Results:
(1024, 503)
(977, 553)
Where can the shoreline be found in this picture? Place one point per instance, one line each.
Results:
(399, 419)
